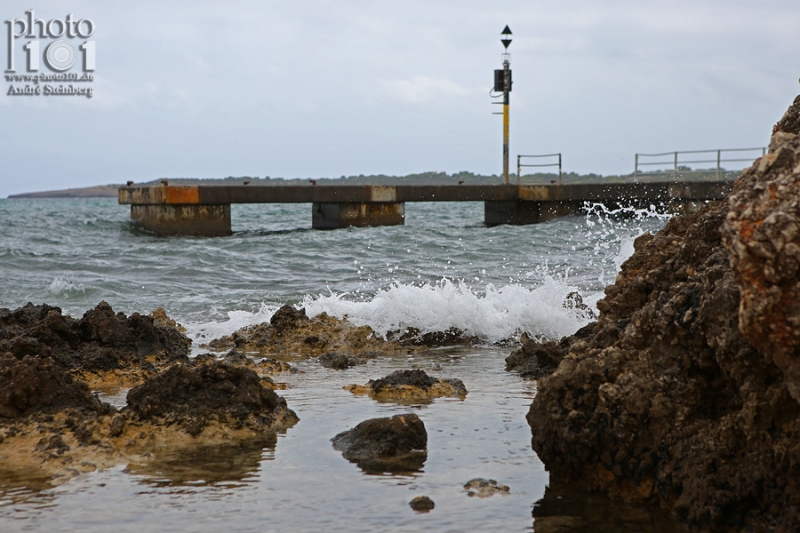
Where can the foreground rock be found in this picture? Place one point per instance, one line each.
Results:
(103, 348)
(291, 332)
(409, 385)
(686, 392)
(52, 424)
(395, 444)
(217, 394)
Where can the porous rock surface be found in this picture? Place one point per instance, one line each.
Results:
(385, 444)
(291, 332)
(409, 385)
(536, 359)
(52, 424)
(686, 393)
(100, 342)
(194, 397)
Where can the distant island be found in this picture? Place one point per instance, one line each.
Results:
(424, 178)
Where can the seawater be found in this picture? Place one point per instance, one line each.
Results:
(443, 269)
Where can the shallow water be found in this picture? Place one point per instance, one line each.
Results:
(441, 268)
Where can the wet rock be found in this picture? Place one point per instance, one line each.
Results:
(101, 342)
(575, 301)
(686, 392)
(161, 319)
(273, 366)
(451, 337)
(204, 359)
(338, 361)
(237, 358)
(291, 333)
(52, 424)
(287, 318)
(422, 504)
(395, 444)
(36, 385)
(483, 488)
(219, 393)
(536, 359)
(409, 385)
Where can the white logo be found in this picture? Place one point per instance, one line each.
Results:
(52, 43)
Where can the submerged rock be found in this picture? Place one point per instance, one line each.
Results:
(686, 392)
(395, 444)
(339, 361)
(483, 488)
(409, 385)
(422, 504)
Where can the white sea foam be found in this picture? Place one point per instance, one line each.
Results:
(61, 285)
(206, 331)
(491, 314)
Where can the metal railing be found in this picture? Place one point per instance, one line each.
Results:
(676, 162)
(520, 165)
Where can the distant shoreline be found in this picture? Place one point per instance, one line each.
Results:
(427, 178)
(98, 191)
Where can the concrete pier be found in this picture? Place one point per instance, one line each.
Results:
(205, 209)
(184, 219)
(328, 215)
(522, 212)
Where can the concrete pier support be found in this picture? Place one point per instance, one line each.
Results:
(521, 212)
(334, 215)
(184, 219)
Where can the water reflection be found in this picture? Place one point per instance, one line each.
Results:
(565, 508)
(229, 464)
(18, 486)
(408, 464)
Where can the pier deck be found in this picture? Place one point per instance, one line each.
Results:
(205, 209)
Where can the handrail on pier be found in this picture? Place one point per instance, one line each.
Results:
(520, 165)
(676, 162)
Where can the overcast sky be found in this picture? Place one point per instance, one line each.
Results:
(331, 88)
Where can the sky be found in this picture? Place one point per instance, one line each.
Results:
(317, 89)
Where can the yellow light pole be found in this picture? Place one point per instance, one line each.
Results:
(502, 82)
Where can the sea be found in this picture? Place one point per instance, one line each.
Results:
(443, 269)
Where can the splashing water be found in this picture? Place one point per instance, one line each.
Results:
(491, 314)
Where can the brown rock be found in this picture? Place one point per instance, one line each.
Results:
(395, 444)
(101, 342)
(537, 359)
(291, 333)
(422, 504)
(37, 385)
(686, 392)
(409, 385)
(194, 397)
